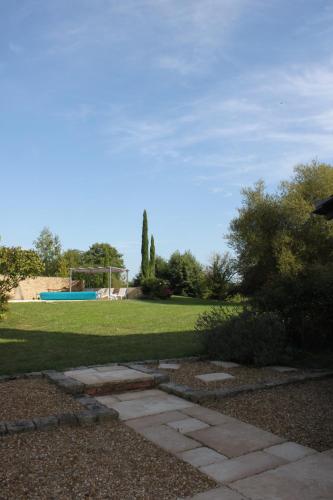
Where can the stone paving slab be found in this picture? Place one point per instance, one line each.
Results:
(107, 368)
(211, 417)
(308, 479)
(162, 418)
(107, 400)
(201, 456)
(188, 425)
(214, 377)
(168, 439)
(113, 374)
(225, 364)
(148, 406)
(290, 451)
(237, 468)
(235, 438)
(131, 395)
(222, 493)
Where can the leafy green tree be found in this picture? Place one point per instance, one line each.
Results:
(101, 255)
(152, 258)
(48, 247)
(275, 234)
(70, 258)
(145, 247)
(186, 275)
(219, 275)
(16, 264)
(161, 268)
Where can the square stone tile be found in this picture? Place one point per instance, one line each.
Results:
(169, 366)
(124, 375)
(241, 467)
(214, 377)
(201, 456)
(107, 368)
(235, 438)
(282, 369)
(107, 400)
(84, 371)
(131, 395)
(225, 364)
(113, 374)
(188, 425)
(290, 451)
(168, 439)
(149, 406)
(89, 379)
(308, 479)
(161, 418)
(222, 493)
(211, 417)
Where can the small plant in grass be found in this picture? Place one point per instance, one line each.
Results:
(250, 337)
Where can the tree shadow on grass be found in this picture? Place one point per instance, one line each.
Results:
(24, 351)
(189, 301)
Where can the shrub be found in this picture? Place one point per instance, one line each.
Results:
(249, 338)
(305, 302)
(154, 288)
(16, 264)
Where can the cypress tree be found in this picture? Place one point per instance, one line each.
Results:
(144, 247)
(152, 257)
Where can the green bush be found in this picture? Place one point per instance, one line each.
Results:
(248, 338)
(154, 288)
(305, 302)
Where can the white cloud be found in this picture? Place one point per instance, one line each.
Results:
(263, 130)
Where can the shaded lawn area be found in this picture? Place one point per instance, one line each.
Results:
(55, 335)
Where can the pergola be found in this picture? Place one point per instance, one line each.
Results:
(97, 270)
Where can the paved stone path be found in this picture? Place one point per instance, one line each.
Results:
(107, 374)
(249, 463)
(110, 378)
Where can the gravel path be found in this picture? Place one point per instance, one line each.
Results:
(104, 461)
(24, 398)
(298, 412)
(185, 375)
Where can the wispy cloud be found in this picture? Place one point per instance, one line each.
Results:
(292, 119)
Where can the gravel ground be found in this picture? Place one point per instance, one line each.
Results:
(24, 398)
(108, 461)
(185, 375)
(299, 412)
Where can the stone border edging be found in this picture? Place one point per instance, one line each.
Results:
(159, 377)
(93, 411)
(200, 395)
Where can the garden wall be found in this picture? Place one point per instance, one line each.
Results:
(29, 288)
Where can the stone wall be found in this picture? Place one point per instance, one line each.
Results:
(134, 293)
(29, 288)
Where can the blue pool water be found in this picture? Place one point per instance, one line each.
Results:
(68, 295)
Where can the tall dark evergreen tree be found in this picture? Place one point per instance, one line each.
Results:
(145, 247)
(152, 257)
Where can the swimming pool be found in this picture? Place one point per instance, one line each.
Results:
(68, 295)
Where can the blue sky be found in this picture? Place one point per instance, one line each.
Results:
(108, 107)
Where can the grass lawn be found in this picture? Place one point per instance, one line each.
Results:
(40, 336)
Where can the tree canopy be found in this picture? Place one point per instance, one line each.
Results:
(275, 234)
(48, 247)
(16, 264)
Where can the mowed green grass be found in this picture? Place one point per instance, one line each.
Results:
(55, 335)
